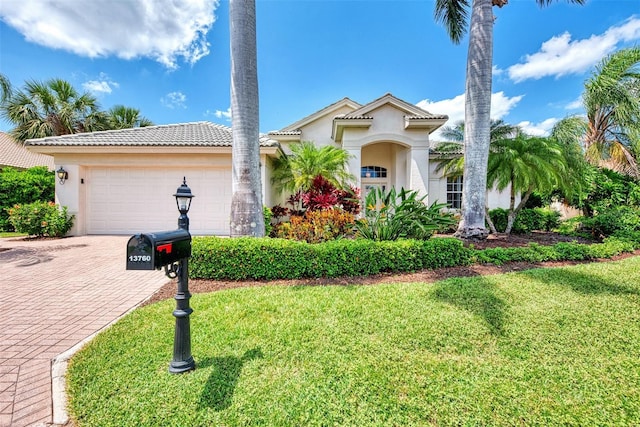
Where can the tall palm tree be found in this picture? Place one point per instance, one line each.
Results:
(246, 202)
(5, 88)
(298, 170)
(121, 117)
(52, 108)
(454, 15)
(612, 102)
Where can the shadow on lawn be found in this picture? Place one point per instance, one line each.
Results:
(477, 296)
(218, 391)
(580, 282)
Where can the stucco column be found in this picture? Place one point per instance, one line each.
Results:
(355, 165)
(419, 170)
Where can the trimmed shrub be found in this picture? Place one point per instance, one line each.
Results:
(564, 251)
(22, 187)
(41, 219)
(528, 220)
(269, 259)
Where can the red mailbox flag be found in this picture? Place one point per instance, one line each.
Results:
(166, 248)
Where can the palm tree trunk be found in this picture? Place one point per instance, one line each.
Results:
(514, 211)
(246, 202)
(492, 226)
(477, 121)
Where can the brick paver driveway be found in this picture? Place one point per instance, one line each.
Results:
(54, 294)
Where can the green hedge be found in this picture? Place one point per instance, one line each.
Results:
(21, 187)
(528, 220)
(269, 259)
(564, 251)
(218, 258)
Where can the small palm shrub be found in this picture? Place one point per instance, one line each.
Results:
(317, 226)
(41, 219)
(393, 215)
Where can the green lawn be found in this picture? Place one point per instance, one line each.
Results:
(6, 234)
(542, 347)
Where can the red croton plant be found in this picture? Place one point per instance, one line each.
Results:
(319, 213)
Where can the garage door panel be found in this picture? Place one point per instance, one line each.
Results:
(132, 200)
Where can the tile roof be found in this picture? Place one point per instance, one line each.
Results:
(14, 154)
(427, 116)
(201, 134)
(286, 133)
(353, 117)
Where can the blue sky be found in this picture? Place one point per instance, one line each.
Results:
(172, 62)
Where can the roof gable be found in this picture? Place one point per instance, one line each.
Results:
(410, 110)
(294, 127)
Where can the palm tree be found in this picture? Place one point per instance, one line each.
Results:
(52, 108)
(298, 170)
(579, 172)
(121, 117)
(246, 202)
(5, 88)
(523, 163)
(454, 165)
(454, 13)
(526, 164)
(612, 102)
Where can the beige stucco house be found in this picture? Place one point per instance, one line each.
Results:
(122, 181)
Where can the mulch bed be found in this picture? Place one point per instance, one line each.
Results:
(425, 276)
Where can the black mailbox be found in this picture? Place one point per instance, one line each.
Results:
(149, 251)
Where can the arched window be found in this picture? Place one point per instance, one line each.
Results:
(373, 172)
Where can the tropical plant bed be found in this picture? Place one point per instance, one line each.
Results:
(428, 276)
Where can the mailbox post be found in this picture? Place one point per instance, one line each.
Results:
(182, 359)
(170, 250)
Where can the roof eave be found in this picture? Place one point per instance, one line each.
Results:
(424, 123)
(339, 124)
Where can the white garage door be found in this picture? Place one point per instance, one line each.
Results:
(134, 200)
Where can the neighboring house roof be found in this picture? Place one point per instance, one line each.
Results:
(13, 153)
(201, 134)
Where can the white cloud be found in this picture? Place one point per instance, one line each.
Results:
(102, 85)
(174, 100)
(575, 104)
(561, 56)
(454, 108)
(224, 114)
(163, 30)
(538, 129)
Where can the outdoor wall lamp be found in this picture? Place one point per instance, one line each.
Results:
(62, 175)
